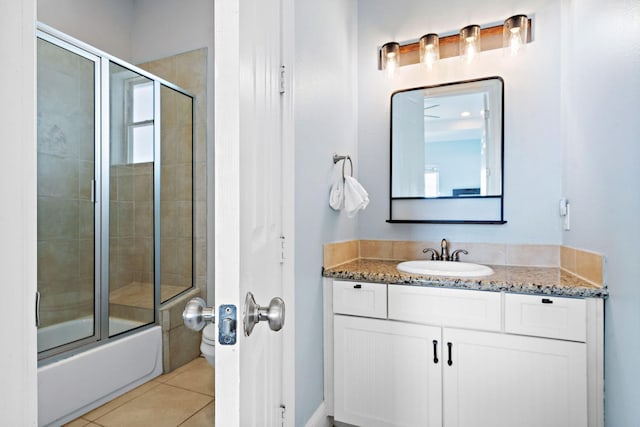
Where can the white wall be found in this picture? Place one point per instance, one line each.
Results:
(532, 178)
(167, 27)
(325, 122)
(102, 24)
(601, 133)
(18, 380)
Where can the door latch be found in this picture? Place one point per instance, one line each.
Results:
(227, 325)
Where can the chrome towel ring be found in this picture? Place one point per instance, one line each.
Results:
(337, 158)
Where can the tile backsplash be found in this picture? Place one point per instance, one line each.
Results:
(587, 265)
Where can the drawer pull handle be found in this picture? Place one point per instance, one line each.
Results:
(435, 351)
(547, 301)
(357, 286)
(450, 346)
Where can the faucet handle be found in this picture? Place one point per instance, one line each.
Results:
(455, 256)
(434, 253)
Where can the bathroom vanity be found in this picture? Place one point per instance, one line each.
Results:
(522, 347)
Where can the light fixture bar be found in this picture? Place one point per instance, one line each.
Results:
(492, 38)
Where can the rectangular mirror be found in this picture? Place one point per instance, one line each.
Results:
(447, 153)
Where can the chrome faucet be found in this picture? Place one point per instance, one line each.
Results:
(444, 252)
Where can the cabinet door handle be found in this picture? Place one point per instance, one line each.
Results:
(449, 346)
(357, 286)
(435, 351)
(547, 301)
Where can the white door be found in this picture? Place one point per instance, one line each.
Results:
(499, 380)
(18, 377)
(252, 208)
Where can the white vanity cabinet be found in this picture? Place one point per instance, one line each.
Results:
(384, 373)
(463, 358)
(501, 380)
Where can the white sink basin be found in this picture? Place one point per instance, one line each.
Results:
(445, 268)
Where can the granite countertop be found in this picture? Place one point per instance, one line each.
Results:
(527, 280)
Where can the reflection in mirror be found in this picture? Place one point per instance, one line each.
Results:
(446, 142)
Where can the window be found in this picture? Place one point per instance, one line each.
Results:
(140, 120)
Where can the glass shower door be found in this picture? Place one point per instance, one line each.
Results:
(66, 147)
(131, 200)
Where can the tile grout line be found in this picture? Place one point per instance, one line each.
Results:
(196, 412)
(191, 390)
(121, 405)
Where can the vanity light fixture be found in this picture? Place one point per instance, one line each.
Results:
(429, 50)
(515, 34)
(469, 46)
(512, 35)
(390, 58)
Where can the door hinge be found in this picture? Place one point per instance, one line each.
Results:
(283, 78)
(282, 250)
(283, 414)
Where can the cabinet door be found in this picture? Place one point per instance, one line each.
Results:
(386, 373)
(498, 380)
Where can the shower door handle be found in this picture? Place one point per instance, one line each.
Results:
(253, 314)
(37, 309)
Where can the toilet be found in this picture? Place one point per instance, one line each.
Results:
(207, 346)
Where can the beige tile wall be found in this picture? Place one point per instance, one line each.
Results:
(187, 70)
(180, 162)
(585, 264)
(179, 344)
(340, 252)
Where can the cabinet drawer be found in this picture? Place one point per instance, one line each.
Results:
(360, 299)
(543, 316)
(446, 307)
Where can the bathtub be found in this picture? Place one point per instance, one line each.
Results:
(73, 386)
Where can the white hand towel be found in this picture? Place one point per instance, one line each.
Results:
(336, 195)
(355, 196)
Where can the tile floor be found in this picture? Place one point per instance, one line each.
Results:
(182, 398)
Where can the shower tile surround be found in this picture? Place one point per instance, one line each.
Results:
(574, 265)
(63, 232)
(187, 70)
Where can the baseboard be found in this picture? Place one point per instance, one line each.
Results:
(319, 418)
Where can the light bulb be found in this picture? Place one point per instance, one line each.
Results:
(470, 52)
(514, 41)
(392, 64)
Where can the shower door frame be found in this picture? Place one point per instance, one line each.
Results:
(94, 338)
(102, 174)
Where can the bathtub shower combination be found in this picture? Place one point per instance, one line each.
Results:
(115, 198)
